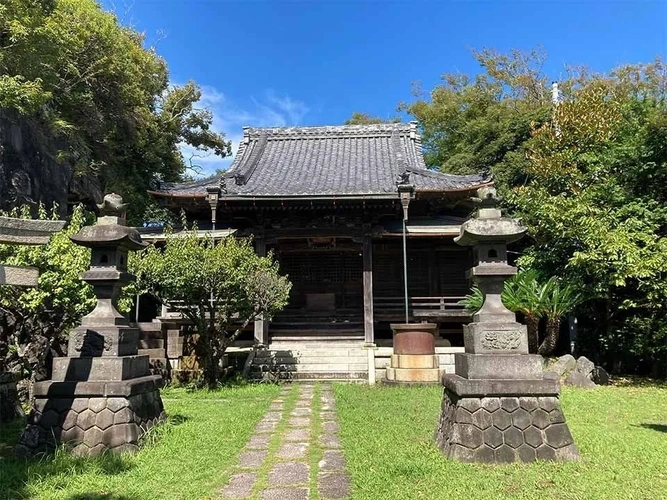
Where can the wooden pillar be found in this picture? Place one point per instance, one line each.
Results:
(367, 252)
(261, 325)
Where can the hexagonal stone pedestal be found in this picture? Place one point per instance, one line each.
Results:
(505, 427)
(92, 417)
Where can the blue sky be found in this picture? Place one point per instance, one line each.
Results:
(281, 63)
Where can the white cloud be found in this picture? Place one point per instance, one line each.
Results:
(270, 110)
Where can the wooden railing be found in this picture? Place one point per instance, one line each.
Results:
(393, 308)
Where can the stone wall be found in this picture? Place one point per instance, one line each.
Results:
(503, 429)
(10, 407)
(91, 425)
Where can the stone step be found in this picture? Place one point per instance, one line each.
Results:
(153, 353)
(313, 360)
(151, 334)
(150, 326)
(322, 367)
(151, 343)
(275, 337)
(361, 376)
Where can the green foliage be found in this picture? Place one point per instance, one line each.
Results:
(527, 293)
(364, 119)
(588, 177)
(223, 286)
(104, 95)
(480, 125)
(36, 320)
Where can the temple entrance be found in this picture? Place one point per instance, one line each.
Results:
(326, 299)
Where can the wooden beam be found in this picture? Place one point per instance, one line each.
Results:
(367, 251)
(18, 276)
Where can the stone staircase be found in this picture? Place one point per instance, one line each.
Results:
(152, 343)
(309, 360)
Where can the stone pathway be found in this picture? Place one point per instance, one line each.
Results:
(295, 453)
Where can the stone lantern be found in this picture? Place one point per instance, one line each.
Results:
(497, 406)
(101, 396)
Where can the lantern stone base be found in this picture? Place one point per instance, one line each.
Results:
(92, 417)
(503, 421)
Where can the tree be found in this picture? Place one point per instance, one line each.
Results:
(523, 293)
(71, 67)
(223, 285)
(34, 322)
(473, 125)
(364, 119)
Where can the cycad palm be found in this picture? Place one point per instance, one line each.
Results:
(558, 299)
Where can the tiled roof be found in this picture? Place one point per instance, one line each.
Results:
(344, 160)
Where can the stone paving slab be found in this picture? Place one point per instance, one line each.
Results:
(300, 422)
(240, 485)
(289, 473)
(330, 441)
(293, 451)
(297, 435)
(330, 427)
(264, 427)
(302, 412)
(259, 442)
(286, 494)
(333, 485)
(252, 459)
(328, 415)
(272, 416)
(333, 460)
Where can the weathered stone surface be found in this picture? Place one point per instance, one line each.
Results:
(302, 412)
(252, 459)
(520, 419)
(240, 485)
(333, 485)
(293, 451)
(297, 435)
(330, 427)
(299, 421)
(264, 427)
(332, 460)
(514, 436)
(285, 494)
(578, 379)
(289, 473)
(330, 441)
(493, 437)
(585, 366)
(259, 442)
(563, 365)
(600, 376)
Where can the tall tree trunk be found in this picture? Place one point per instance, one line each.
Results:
(549, 343)
(532, 324)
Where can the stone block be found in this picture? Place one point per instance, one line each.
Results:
(104, 419)
(333, 485)
(100, 368)
(240, 485)
(414, 361)
(97, 340)
(419, 375)
(495, 338)
(471, 387)
(520, 419)
(289, 473)
(498, 366)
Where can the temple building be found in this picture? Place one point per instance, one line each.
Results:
(327, 202)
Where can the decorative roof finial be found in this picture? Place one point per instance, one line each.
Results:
(113, 206)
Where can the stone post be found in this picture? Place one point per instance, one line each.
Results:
(101, 396)
(497, 406)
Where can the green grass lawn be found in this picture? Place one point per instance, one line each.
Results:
(188, 458)
(387, 434)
